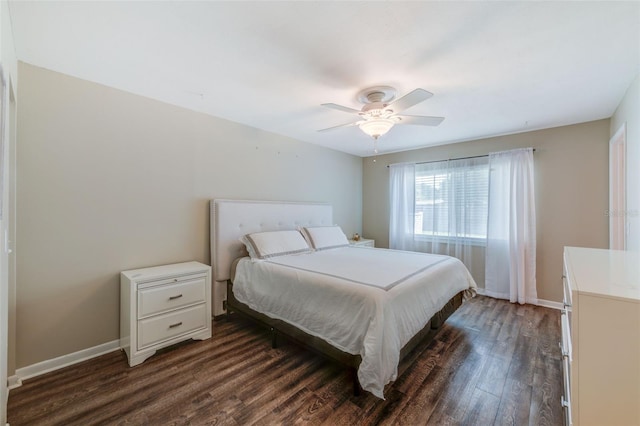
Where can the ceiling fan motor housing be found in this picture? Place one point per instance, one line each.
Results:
(376, 109)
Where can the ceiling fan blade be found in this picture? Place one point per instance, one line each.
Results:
(355, 123)
(419, 120)
(341, 108)
(410, 99)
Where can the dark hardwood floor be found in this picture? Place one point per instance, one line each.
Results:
(492, 362)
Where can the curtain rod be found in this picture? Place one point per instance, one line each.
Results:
(452, 159)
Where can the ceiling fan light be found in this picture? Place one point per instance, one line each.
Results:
(376, 127)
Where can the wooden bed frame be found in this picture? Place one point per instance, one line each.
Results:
(230, 219)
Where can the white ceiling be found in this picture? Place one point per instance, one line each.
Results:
(494, 67)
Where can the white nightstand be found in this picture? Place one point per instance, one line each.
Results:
(363, 242)
(163, 305)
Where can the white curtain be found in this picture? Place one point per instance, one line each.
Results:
(402, 211)
(510, 270)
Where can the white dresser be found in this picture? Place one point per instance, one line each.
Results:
(163, 305)
(601, 337)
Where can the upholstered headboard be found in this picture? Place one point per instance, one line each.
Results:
(231, 219)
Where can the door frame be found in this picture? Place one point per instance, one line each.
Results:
(618, 189)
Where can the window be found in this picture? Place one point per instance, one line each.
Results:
(452, 198)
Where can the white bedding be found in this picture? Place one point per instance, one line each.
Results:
(361, 300)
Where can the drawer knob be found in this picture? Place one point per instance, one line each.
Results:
(175, 297)
(178, 324)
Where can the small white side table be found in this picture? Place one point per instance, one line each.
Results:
(363, 242)
(163, 305)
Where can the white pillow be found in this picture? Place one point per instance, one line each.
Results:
(325, 237)
(263, 245)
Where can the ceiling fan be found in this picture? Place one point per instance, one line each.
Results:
(381, 110)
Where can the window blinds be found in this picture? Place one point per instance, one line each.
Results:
(451, 198)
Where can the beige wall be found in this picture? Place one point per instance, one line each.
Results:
(109, 181)
(571, 168)
(628, 112)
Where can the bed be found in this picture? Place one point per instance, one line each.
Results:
(295, 273)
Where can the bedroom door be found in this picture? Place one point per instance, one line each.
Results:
(7, 235)
(4, 252)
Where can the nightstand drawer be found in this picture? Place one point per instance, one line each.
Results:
(164, 327)
(171, 296)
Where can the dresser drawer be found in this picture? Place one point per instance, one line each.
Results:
(566, 350)
(166, 297)
(166, 326)
(566, 289)
(566, 345)
(566, 397)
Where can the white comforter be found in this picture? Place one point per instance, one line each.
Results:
(361, 300)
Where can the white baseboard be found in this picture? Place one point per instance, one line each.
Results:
(14, 382)
(61, 362)
(541, 302)
(550, 304)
